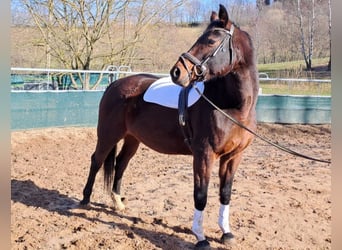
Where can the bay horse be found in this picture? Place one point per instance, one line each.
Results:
(223, 57)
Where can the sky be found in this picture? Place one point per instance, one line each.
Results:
(17, 9)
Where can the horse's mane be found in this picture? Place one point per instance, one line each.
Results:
(219, 24)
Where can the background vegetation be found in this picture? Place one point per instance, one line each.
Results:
(150, 35)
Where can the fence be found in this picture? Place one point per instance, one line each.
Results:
(59, 79)
(51, 108)
(294, 86)
(62, 79)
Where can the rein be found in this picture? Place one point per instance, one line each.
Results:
(287, 150)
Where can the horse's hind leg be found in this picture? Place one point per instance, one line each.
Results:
(128, 150)
(96, 163)
(228, 167)
(105, 150)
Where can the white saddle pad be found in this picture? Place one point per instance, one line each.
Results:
(164, 92)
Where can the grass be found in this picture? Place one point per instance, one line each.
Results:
(296, 69)
(296, 88)
(292, 65)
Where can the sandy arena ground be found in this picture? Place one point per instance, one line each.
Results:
(278, 202)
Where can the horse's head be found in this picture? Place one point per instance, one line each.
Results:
(212, 55)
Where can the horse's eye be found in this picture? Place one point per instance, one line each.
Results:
(211, 41)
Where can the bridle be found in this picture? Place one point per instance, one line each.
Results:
(200, 67)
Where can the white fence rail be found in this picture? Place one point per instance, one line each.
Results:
(297, 86)
(45, 79)
(293, 79)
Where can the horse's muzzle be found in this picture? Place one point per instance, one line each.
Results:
(179, 77)
(188, 69)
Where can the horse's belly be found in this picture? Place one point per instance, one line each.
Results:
(158, 129)
(167, 148)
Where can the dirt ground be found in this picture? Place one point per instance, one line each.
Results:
(279, 201)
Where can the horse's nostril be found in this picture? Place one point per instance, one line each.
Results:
(175, 73)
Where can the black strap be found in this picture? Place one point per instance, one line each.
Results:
(183, 118)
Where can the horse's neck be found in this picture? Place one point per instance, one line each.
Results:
(244, 67)
(249, 81)
(232, 90)
(224, 91)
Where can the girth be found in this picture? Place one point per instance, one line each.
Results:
(183, 116)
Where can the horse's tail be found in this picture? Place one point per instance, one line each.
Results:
(109, 165)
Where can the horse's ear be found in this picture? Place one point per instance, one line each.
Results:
(213, 16)
(223, 15)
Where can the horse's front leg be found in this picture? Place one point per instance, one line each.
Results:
(228, 167)
(202, 167)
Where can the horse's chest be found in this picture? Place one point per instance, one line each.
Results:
(225, 136)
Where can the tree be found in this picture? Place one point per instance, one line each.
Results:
(73, 29)
(259, 4)
(329, 26)
(137, 18)
(307, 43)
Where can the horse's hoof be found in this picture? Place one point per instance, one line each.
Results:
(84, 203)
(119, 208)
(118, 202)
(227, 238)
(202, 245)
